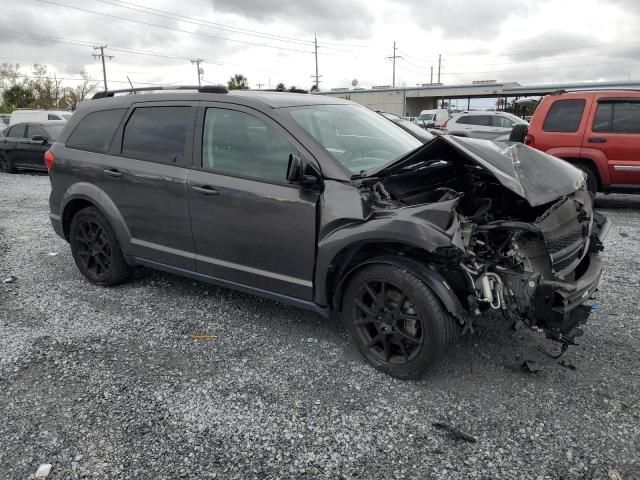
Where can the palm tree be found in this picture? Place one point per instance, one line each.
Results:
(280, 87)
(238, 82)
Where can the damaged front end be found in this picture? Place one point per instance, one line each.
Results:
(523, 235)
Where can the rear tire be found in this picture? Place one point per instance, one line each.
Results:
(95, 248)
(396, 321)
(6, 165)
(518, 133)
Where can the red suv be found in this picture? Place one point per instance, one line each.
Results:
(597, 131)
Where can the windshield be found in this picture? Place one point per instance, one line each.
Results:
(52, 131)
(355, 136)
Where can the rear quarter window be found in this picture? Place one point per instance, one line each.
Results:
(564, 116)
(95, 132)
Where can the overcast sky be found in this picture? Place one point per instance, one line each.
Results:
(271, 41)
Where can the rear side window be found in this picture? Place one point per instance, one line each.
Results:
(564, 116)
(617, 117)
(157, 134)
(95, 131)
(240, 144)
(54, 117)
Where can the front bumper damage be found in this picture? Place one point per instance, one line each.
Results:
(559, 307)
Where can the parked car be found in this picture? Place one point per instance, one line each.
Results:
(432, 118)
(4, 119)
(24, 115)
(23, 145)
(324, 204)
(421, 134)
(596, 131)
(487, 125)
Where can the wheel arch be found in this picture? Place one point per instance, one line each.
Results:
(83, 195)
(356, 256)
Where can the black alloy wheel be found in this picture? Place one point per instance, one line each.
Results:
(396, 321)
(95, 248)
(388, 322)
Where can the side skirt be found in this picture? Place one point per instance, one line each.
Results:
(296, 302)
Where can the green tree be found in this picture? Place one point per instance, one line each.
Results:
(17, 96)
(238, 82)
(280, 87)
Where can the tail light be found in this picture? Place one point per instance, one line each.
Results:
(529, 140)
(49, 158)
(444, 124)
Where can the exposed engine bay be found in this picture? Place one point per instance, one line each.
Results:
(521, 244)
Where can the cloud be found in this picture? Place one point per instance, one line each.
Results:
(346, 19)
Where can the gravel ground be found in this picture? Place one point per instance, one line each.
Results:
(109, 383)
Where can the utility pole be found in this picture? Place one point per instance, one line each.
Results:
(316, 76)
(260, 85)
(393, 57)
(197, 62)
(439, 66)
(104, 68)
(431, 80)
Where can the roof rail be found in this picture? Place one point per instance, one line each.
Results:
(134, 90)
(287, 90)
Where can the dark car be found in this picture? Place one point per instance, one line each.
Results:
(23, 145)
(421, 134)
(324, 204)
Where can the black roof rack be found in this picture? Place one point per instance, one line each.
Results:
(288, 90)
(134, 90)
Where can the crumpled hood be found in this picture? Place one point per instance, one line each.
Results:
(535, 176)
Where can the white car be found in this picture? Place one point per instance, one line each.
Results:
(488, 125)
(24, 115)
(432, 118)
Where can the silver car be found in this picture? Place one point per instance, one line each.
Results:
(487, 125)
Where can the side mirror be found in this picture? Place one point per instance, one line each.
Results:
(39, 138)
(295, 172)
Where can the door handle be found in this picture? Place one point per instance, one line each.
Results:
(205, 190)
(112, 172)
(597, 140)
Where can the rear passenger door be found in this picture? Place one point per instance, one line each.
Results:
(32, 151)
(249, 225)
(614, 129)
(145, 175)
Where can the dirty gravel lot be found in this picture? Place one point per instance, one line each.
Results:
(108, 382)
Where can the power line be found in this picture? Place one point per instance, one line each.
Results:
(200, 34)
(204, 23)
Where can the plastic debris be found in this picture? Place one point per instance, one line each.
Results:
(615, 474)
(10, 279)
(43, 470)
(454, 432)
(52, 254)
(531, 366)
(204, 337)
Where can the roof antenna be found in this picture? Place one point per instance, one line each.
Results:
(132, 89)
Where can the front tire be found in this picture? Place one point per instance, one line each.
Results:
(396, 321)
(95, 248)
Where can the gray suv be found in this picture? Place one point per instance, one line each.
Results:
(326, 205)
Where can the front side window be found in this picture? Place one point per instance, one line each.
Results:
(355, 136)
(564, 116)
(157, 134)
(617, 117)
(502, 122)
(240, 144)
(95, 132)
